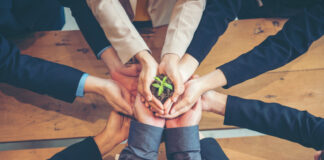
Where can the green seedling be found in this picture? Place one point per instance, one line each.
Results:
(162, 84)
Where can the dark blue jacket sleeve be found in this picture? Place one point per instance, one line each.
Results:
(292, 41)
(143, 142)
(84, 150)
(88, 24)
(182, 143)
(276, 120)
(214, 21)
(36, 74)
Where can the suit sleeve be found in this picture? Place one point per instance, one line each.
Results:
(36, 74)
(214, 21)
(185, 18)
(182, 143)
(118, 28)
(292, 41)
(84, 150)
(276, 120)
(90, 28)
(143, 142)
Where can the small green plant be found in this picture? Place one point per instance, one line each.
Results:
(162, 84)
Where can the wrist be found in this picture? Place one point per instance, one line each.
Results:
(187, 66)
(105, 142)
(214, 80)
(111, 59)
(95, 85)
(143, 57)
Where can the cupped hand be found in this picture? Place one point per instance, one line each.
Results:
(193, 90)
(115, 132)
(144, 115)
(190, 118)
(169, 66)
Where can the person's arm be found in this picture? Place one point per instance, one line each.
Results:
(94, 148)
(38, 75)
(185, 18)
(299, 32)
(268, 118)
(213, 24)
(90, 28)
(145, 135)
(118, 28)
(182, 135)
(143, 142)
(276, 120)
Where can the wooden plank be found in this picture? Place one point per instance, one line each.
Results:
(23, 112)
(247, 148)
(264, 147)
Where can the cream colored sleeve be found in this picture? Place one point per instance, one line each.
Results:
(118, 28)
(184, 21)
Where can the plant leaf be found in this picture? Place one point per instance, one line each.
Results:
(160, 90)
(158, 79)
(168, 86)
(164, 78)
(156, 85)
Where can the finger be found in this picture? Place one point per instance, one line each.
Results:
(124, 107)
(131, 70)
(146, 104)
(126, 95)
(146, 88)
(167, 106)
(142, 99)
(157, 103)
(156, 109)
(181, 104)
(179, 112)
(178, 86)
(194, 77)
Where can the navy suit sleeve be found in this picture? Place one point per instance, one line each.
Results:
(143, 142)
(84, 150)
(292, 41)
(182, 143)
(215, 19)
(88, 24)
(276, 120)
(36, 74)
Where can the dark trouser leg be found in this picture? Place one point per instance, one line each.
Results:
(211, 150)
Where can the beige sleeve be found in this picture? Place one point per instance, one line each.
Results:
(118, 28)
(184, 21)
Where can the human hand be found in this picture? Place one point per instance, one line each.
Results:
(190, 118)
(125, 75)
(116, 95)
(169, 66)
(115, 132)
(144, 115)
(213, 101)
(319, 155)
(146, 77)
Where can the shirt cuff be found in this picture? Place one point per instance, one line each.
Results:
(144, 139)
(182, 139)
(101, 52)
(80, 89)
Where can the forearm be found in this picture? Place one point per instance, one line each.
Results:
(88, 24)
(292, 41)
(118, 28)
(184, 21)
(213, 24)
(84, 150)
(36, 74)
(143, 142)
(276, 120)
(183, 143)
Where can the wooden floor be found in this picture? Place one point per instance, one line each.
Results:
(25, 115)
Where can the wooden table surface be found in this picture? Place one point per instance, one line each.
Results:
(25, 115)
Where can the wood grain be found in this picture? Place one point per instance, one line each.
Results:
(29, 116)
(246, 148)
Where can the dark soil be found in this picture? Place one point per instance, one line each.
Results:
(166, 93)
